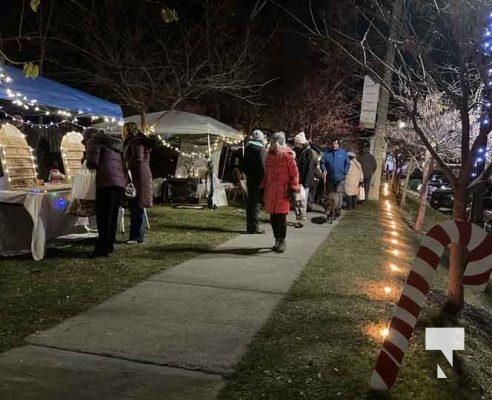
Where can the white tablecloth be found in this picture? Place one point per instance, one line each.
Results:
(29, 220)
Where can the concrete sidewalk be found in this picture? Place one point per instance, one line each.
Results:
(170, 337)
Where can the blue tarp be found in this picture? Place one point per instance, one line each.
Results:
(49, 93)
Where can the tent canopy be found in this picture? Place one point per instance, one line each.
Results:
(181, 123)
(53, 94)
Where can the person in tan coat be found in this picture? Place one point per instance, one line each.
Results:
(353, 180)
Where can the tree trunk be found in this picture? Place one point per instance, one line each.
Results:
(429, 165)
(457, 255)
(405, 187)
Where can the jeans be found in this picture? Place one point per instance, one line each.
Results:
(300, 207)
(279, 225)
(108, 201)
(137, 221)
(253, 203)
(337, 187)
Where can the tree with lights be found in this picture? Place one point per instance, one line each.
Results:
(441, 126)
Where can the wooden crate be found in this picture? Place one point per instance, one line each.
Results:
(72, 151)
(18, 161)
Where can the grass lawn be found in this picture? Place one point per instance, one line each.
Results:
(432, 216)
(38, 295)
(323, 340)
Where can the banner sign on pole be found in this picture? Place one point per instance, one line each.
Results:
(369, 107)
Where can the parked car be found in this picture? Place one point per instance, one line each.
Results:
(442, 198)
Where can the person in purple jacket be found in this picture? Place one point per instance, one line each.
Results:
(335, 164)
(104, 153)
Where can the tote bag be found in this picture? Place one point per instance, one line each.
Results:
(362, 193)
(84, 184)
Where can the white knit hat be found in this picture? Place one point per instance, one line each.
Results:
(300, 138)
(258, 136)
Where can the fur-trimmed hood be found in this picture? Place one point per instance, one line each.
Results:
(113, 142)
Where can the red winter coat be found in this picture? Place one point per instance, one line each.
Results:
(281, 176)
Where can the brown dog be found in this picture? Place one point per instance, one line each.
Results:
(330, 205)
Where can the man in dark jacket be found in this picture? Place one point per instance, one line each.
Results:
(369, 166)
(305, 165)
(335, 165)
(253, 165)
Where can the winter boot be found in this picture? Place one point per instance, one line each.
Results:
(275, 246)
(281, 246)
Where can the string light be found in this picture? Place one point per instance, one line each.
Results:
(21, 100)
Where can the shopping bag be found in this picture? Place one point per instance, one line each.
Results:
(82, 208)
(301, 195)
(362, 193)
(84, 184)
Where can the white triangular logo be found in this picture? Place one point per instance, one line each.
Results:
(440, 373)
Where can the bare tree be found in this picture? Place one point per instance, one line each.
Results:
(144, 56)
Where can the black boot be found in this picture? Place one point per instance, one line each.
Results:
(281, 246)
(275, 246)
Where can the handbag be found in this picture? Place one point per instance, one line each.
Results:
(130, 191)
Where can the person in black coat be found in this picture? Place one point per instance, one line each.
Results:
(306, 166)
(369, 166)
(253, 165)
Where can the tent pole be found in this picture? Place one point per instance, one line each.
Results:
(225, 162)
(209, 150)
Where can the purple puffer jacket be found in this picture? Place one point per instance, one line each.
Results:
(104, 153)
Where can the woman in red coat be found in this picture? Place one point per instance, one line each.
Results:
(281, 179)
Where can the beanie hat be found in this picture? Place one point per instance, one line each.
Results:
(300, 138)
(258, 136)
(279, 137)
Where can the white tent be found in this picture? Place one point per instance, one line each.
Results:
(180, 123)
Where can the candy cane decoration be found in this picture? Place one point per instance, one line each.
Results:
(476, 276)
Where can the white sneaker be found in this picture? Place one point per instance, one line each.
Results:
(131, 242)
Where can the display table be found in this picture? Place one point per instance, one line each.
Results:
(30, 218)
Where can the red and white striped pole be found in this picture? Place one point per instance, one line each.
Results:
(476, 276)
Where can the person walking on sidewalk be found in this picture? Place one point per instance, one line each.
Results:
(354, 180)
(281, 179)
(335, 165)
(305, 166)
(253, 165)
(137, 149)
(369, 166)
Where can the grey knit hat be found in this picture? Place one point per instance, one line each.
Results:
(279, 137)
(258, 136)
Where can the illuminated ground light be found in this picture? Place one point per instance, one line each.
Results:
(377, 331)
(387, 290)
(394, 268)
(395, 252)
(394, 233)
(394, 241)
(384, 332)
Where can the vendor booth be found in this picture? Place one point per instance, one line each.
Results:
(32, 211)
(199, 141)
